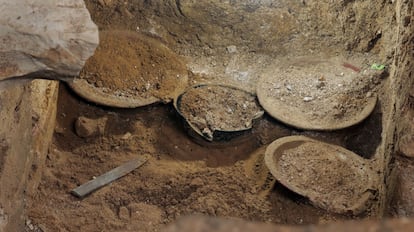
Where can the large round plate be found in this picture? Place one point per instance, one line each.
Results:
(319, 94)
(330, 176)
(129, 70)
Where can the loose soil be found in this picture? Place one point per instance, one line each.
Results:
(130, 64)
(213, 108)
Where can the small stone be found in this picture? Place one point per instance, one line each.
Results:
(206, 131)
(369, 94)
(126, 136)
(248, 124)
(86, 127)
(289, 87)
(307, 99)
(320, 84)
(231, 49)
(406, 146)
(197, 182)
(123, 213)
(99, 84)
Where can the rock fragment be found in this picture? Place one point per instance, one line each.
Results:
(45, 38)
(86, 127)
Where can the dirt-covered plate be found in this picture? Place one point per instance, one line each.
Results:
(129, 70)
(218, 112)
(331, 177)
(320, 93)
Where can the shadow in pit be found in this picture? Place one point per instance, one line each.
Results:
(119, 121)
(175, 141)
(286, 201)
(364, 138)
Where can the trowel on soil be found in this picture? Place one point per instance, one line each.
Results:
(107, 178)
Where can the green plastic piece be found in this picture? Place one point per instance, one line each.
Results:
(378, 66)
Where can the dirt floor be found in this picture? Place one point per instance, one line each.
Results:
(227, 44)
(183, 176)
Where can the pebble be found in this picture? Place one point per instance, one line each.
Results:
(88, 127)
(320, 84)
(197, 182)
(307, 99)
(369, 94)
(289, 87)
(231, 49)
(123, 213)
(126, 136)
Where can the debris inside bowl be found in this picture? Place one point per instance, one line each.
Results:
(212, 108)
(319, 94)
(331, 177)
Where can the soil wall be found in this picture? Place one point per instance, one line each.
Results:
(16, 137)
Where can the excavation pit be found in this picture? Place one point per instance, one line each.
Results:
(234, 43)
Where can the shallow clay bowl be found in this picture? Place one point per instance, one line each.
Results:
(330, 176)
(216, 133)
(318, 94)
(129, 70)
(98, 96)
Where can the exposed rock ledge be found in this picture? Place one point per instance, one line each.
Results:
(46, 38)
